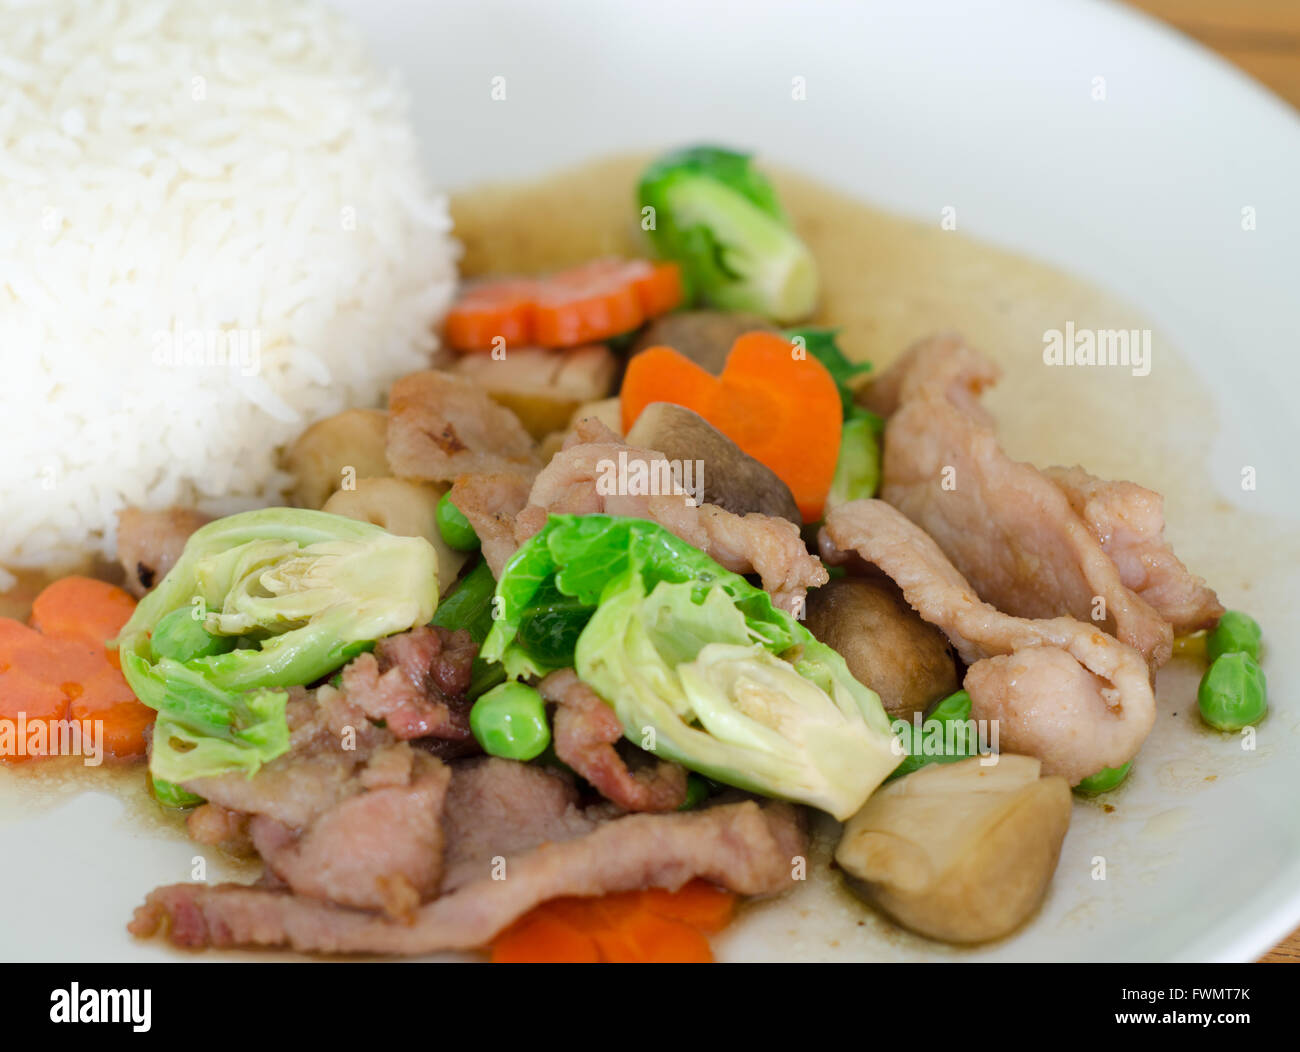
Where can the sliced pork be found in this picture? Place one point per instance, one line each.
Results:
(379, 849)
(744, 847)
(1129, 524)
(586, 732)
(441, 426)
(1008, 529)
(415, 683)
(150, 542)
(499, 808)
(576, 482)
(220, 827)
(331, 741)
(1061, 690)
(491, 502)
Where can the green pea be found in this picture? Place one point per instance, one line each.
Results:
(510, 721)
(1236, 633)
(1233, 693)
(179, 636)
(697, 791)
(454, 527)
(1103, 781)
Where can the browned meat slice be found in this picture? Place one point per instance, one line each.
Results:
(441, 426)
(577, 482)
(330, 739)
(586, 731)
(1007, 528)
(491, 502)
(1129, 524)
(220, 827)
(380, 849)
(499, 808)
(415, 683)
(150, 542)
(744, 847)
(1061, 690)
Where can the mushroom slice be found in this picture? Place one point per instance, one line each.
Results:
(961, 852)
(719, 471)
(885, 643)
(703, 336)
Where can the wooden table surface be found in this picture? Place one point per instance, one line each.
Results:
(1262, 37)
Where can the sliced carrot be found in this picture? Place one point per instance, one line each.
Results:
(586, 304)
(61, 668)
(700, 904)
(648, 938)
(625, 927)
(541, 938)
(24, 702)
(660, 374)
(660, 290)
(490, 311)
(82, 606)
(123, 721)
(781, 409)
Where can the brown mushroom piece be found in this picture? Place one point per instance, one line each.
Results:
(543, 387)
(731, 478)
(886, 645)
(961, 852)
(353, 441)
(703, 336)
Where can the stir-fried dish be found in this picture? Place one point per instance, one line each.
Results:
(554, 656)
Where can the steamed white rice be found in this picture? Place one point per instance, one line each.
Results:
(213, 230)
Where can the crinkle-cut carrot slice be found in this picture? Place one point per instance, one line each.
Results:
(542, 938)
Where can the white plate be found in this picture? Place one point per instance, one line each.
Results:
(914, 106)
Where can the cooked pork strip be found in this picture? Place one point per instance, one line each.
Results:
(753, 543)
(221, 827)
(441, 426)
(150, 542)
(1007, 528)
(380, 849)
(744, 847)
(1129, 523)
(586, 731)
(499, 808)
(491, 502)
(1061, 690)
(318, 772)
(415, 683)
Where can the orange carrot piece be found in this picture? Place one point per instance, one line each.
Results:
(490, 311)
(542, 938)
(700, 904)
(648, 938)
(586, 304)
(661, 290)
(82, 606)
(60, 668)
(631, 926)
(124, 721)
(24, 702)
(781, 409)
(661, 374)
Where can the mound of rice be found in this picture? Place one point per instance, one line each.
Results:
(214, 229)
